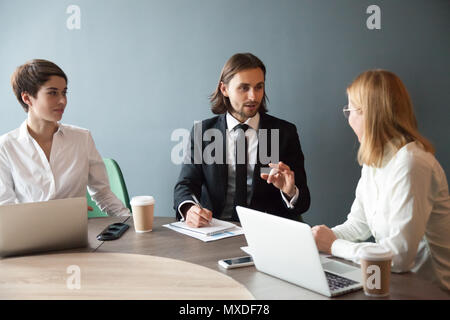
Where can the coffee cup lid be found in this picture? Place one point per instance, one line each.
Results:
(142, 200)
(375, 252)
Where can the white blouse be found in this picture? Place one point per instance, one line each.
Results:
(27, 176)
(405, 206)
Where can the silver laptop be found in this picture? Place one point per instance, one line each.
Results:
(42, 226)
(286, 249)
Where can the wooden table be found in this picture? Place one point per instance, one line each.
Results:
(113, 276)
(131, 258)
(167, 243)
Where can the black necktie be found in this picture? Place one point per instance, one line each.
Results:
(240, 198)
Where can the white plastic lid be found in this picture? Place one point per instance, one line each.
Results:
(142, 201)
(375, 252)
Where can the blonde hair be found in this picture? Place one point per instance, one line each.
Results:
(388, 115)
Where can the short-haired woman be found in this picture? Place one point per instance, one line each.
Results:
(44, 159)
(402, 197)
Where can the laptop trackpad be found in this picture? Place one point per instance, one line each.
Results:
(336, 267)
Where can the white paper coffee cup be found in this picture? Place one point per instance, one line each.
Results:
(143, 211)
(376, 270)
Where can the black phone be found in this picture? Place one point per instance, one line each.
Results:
(113, 231)
(236, 262)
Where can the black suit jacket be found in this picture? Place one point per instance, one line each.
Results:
(209, 181)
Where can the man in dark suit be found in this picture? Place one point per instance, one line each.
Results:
(229, 162)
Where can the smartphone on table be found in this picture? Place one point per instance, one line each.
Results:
(236, 262)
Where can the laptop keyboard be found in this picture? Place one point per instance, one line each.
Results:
(336, 282)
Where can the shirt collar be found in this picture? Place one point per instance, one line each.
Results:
(251, 122)
(24, 134)
(390, 150)
(23, 131)
(61, 128)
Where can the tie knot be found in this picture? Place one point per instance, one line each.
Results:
(242, 126)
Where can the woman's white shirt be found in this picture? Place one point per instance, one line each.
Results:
(405, 206)
(27, 176)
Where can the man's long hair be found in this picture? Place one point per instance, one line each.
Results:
(238, 62)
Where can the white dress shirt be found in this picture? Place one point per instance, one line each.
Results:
(252, 152)
(27, 176)
(405, 206)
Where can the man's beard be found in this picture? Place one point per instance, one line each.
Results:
(249, 112)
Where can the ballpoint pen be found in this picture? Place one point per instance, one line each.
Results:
(198, 203)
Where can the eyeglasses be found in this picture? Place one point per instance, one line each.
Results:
(346, 110)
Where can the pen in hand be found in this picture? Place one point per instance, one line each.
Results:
(198, 203)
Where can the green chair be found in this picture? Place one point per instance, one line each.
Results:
(117, 185)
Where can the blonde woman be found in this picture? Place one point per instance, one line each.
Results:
(402, 197)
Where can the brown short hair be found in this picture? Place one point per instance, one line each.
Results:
(30, 76)
(238, 62)
(388, 115)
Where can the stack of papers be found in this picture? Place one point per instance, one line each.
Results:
(217, 229)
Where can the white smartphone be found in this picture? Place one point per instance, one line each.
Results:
(236, 262)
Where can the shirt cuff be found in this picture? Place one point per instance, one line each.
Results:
(179, 208)
(344, 249)
(122, 213)
(291, 204)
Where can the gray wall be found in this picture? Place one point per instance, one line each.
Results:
(138, 70)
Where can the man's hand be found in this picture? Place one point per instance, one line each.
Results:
(324, 238)
(282, 177)
(197, 217)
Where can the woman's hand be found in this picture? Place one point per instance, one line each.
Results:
(324, 238)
